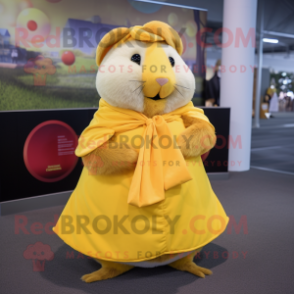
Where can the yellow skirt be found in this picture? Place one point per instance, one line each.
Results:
(98, 222)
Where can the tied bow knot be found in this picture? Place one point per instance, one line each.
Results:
(152, 175)
(149, 121)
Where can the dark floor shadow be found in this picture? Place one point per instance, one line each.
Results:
(65, 271)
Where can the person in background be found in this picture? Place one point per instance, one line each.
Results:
(273, 99)
(212, 87)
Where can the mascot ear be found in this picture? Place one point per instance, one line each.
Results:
(106, 43)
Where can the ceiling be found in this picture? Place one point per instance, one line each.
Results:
(278, 17)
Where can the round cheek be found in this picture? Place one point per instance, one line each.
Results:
(186, 86)
(191, 79)
(184, 76)
(98, 83)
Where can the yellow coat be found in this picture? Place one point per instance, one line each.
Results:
(98, 221)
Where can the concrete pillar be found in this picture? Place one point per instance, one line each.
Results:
(259, 68)
(238, 46)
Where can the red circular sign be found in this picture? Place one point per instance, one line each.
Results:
(32, 25)
(68, 58)
(49, 151)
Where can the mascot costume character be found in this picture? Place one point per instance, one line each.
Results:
(143, 198)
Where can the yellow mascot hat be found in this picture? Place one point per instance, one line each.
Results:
(153, 31)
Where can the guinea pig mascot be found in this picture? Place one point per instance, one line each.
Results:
(143, 198)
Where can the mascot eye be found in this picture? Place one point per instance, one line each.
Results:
(136, 58)
(172, 61)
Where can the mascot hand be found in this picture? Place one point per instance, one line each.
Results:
(111, 158)
(198, 137)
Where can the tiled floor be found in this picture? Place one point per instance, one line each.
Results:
(273, 144)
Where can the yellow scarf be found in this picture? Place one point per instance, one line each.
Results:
(150, 180)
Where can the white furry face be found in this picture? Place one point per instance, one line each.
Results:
(119, 79)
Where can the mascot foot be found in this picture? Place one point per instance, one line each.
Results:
(186, 264)
(108, 270)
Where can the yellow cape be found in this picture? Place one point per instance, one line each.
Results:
(99, 222)
(151, 177)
